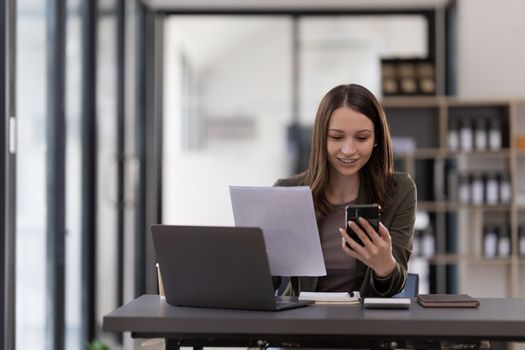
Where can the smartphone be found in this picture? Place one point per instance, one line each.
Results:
(370, 212)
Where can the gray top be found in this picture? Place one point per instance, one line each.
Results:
(340, 267)
(496, 318)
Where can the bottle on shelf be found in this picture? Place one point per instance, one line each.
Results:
(428, 245)
(464, 189)
(504, 242)
(491, 189)
(490, 241)
(505, 192)
(453, 135)
(495, 134)
(465, 137)
(476, 192)
(480, 135)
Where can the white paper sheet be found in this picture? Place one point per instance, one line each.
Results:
(287, 217)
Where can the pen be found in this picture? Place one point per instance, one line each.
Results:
(355, 294)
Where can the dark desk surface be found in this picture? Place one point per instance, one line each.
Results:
(496, 319)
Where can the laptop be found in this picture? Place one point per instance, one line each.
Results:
(217, 267)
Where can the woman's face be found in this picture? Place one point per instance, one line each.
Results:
(350, 141)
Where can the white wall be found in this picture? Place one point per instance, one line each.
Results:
(491, 48)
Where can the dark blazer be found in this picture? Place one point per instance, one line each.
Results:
(399, 218)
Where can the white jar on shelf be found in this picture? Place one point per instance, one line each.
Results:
(505, 193)
(491, 189)
(490, 242)
(465, 136)
(464, 189)
(480, 135)
(428, 243)
(453, 135)
(476, 193)
(504, 243)
(495, 137)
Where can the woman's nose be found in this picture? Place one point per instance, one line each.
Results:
(348, 147)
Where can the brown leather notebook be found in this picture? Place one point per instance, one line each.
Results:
(447, 300)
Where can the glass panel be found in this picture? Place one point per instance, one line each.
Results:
(107, 167)
(227, 106)
(30, 181)
(73, 332)
(348, 49)
(131, 176)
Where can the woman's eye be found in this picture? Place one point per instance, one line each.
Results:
(362, 139)
(336, 137)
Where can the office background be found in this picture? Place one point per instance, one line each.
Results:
(118, 114)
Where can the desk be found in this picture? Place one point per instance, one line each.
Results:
(318, 325)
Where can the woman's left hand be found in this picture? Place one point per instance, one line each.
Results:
(377, 249)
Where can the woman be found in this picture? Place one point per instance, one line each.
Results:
(351, 161)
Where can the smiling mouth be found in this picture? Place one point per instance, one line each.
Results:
(348, 161)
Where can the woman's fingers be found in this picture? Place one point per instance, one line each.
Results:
(353, 253)
(372, 234)
(353, 247)
(385, 234)
(360, 233)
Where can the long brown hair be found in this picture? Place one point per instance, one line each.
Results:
(376, 176)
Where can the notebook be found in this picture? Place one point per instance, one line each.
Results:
(447, 300)
(217, 267)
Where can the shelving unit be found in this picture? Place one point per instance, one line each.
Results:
(460, 263)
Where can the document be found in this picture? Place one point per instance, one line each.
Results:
(287, 218)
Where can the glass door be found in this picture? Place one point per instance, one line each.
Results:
(227, 109)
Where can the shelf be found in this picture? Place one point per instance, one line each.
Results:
(411, 102)
(466, 258)
(453, 206)
(466, 102)
(505, 152)
(427, 120)
(438, 153)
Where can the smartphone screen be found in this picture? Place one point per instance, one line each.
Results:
(370, 212)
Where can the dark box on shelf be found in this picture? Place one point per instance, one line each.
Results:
(411, 77)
